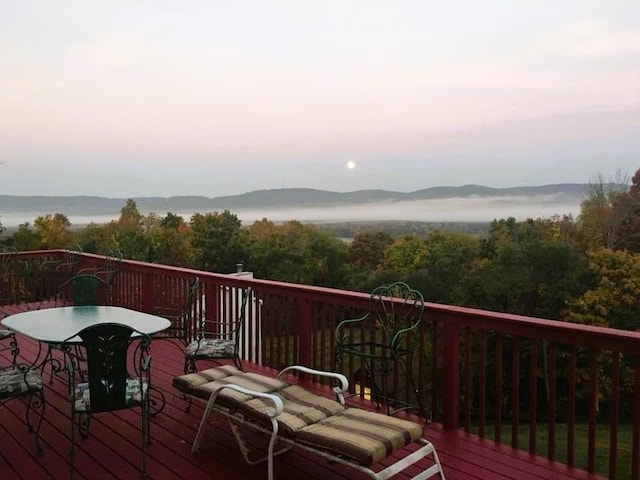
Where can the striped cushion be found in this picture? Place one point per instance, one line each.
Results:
(301, 408)
(133, 394)
(17, 381)
(211, 347)
(363, 436)
(186, 383)
(232, 398)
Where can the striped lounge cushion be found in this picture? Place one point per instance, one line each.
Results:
(232, 398)
(186, 383)
(301, 408)
(363, 436)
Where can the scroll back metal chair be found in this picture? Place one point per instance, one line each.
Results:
(109, 270)
(109, 386)
(54, 273)
(16, 278)
(220, 339)
(81, 290)
(19, 380)
(9, 342)
(180, 316)
(381, 339)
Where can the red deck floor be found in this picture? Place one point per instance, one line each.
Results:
(112, 449)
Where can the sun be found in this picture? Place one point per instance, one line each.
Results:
(351, 165)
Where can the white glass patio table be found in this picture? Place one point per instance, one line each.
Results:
(53, 326)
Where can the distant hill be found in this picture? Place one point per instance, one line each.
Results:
(276, 198)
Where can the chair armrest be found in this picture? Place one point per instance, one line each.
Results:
(338, 390)
(277, 401)
(346, 323)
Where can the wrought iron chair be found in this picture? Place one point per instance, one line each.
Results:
(53, 273)
(19, 380)
(220, 339)
(109, 387)
(9, 342)
(180, 316)
(82, 290)
(16, 278)
(382, 339)
(109, 270)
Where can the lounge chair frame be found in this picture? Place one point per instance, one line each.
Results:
(235, 419)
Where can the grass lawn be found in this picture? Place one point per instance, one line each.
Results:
(581, 447)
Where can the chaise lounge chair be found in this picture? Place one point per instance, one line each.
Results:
(297, 417)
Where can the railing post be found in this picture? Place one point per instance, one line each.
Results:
(305, 355)
(450, 375)
(148, 297)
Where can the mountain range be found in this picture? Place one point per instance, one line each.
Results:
(277, 198)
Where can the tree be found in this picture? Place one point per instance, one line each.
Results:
(613, 299)
(366, 251)
(24, 238)
(603, 212)
(54, 231)
(531, 268)
(217, 240)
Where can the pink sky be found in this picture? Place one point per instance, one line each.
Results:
(215, 98)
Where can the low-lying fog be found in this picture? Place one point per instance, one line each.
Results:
(470, 209)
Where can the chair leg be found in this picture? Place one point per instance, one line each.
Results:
(238, 362)
(73, 443)
(36, 402)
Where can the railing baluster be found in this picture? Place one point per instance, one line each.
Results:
(533, 396)
(593, 404)
(515, 393)
(635, 441)
(467, 379)
(482, 382)
(498, 390)
(613, 421)
(571, 407)
(551, 400)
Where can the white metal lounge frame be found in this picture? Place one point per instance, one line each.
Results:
(234, 419)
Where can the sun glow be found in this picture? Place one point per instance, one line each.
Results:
(351, 165)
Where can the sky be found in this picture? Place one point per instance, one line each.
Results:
(220, 97)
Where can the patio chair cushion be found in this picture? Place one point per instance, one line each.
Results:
(363, 436)
(133, 395)
(186, 383)
(301, 408)
(233, 398)
(14, 382)
(211, 347)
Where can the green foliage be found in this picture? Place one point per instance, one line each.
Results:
(217, 241)
(54, 231)
(613, 300)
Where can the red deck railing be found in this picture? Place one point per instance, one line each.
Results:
(535, 384)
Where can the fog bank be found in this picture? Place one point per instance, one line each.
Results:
(469, 209)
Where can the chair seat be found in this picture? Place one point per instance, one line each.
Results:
(211, 347)
(14, 382)
(133, 395)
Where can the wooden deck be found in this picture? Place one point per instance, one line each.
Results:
(112, 449)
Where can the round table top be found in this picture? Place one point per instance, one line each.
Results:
(55, 325)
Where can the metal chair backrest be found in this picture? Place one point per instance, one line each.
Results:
(84, 289)
(106, 348)
(396, 309)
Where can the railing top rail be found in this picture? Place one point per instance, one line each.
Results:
(530, 327)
